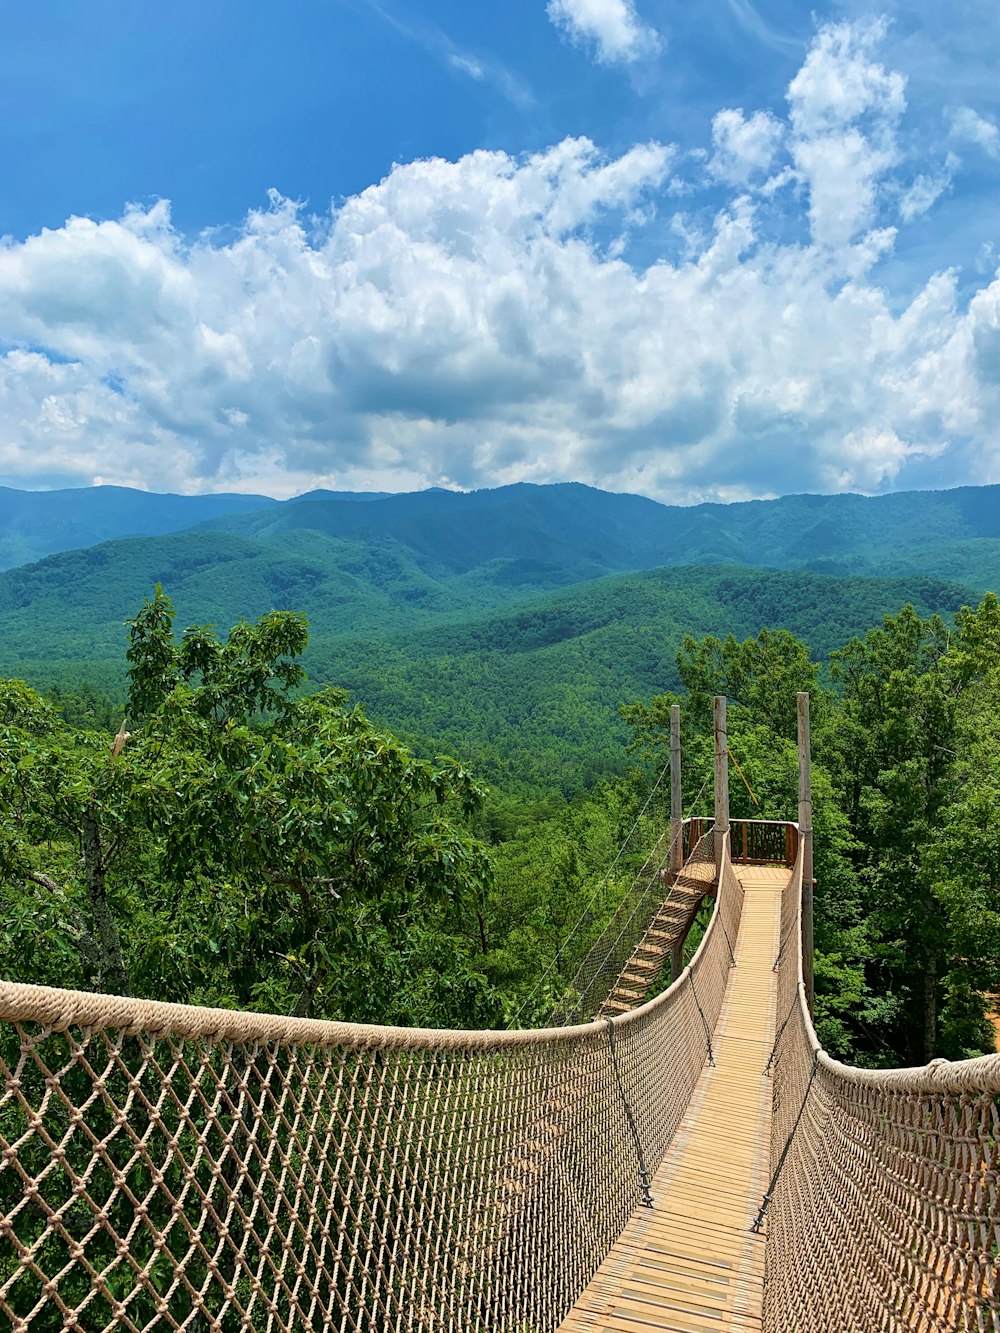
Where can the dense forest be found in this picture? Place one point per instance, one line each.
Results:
(249, 838)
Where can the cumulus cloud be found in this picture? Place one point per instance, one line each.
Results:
(973, 128)
(611, 27)
(844, 108)
(479, 322)
(745, 146)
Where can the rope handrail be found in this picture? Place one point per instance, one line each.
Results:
(165, 1167)
(58, 1009)
(883, 1210)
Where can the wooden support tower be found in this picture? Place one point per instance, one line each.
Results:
(806, 834)
(676, 825)
(721, 779)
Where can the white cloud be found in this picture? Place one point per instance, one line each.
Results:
(468, 65)
(969, 125)
(745, 146)
(921, 195)
(612, 26)
(477, 322)
(844, 107)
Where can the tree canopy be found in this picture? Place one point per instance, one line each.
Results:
(240, 843)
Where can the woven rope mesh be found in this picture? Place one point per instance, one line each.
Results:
(886, 1214)
(165, 1167)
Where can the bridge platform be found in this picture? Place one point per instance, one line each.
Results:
(691, 1264)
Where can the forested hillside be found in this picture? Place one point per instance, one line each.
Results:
(247, 844)
(34, 524)
(306, 851)
(527, 692)
(502, 542)
(549, 535)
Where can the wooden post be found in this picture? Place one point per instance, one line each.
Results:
(721, 779)
(676, 960)
(676, 824)
(806, 834)
(676, 795)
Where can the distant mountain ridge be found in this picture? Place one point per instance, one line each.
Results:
(34, 524)
(505, 625)
(549, 536)
(530, 537)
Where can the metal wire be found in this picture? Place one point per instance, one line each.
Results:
(587, 910)
(598, 970)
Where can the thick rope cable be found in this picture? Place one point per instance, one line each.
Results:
(739, 770)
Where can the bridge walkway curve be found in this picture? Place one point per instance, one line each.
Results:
(691, 1263)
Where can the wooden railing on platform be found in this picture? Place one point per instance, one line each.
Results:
(763, 842)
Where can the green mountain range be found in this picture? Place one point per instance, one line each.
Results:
(534, 536)
(525, 536)
(34, 524)
(507, 626)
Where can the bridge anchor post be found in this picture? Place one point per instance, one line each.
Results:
(806, 834)
(721, 780)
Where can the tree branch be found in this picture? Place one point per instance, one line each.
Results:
(90, 954)
(305, 882)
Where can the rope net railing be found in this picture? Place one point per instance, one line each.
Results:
(164, 1167)
(599, 969)
(885, 1209)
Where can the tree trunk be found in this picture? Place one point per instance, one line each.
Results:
(930, 1008)
(111, 962)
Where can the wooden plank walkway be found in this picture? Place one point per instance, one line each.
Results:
(690, 1264)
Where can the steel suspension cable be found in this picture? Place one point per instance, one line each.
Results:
(613, 945)
(593, 898)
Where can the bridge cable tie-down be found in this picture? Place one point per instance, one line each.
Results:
(772, 1059)
(704, 1022)
(729, 943)
(644, 1177)
(773, 1183)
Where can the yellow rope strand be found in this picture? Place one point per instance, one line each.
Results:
(743, 776)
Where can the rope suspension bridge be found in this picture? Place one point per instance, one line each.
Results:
(692, 1161)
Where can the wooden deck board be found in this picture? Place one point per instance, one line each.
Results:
(691, 1264)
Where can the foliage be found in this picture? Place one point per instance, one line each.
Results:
(288, 843)
(505, 628)
(254, 843)
(904, 801)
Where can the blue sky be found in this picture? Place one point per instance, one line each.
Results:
(708, 251)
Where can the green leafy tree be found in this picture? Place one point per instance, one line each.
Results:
(914, 749)
(243, 844)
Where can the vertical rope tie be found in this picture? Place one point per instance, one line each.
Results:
(772, 1058)
(729, 943)
(704, 1021)
(645, 1197)
(773, 1183)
